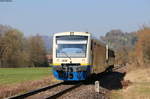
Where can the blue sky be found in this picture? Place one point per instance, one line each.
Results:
(97, 16)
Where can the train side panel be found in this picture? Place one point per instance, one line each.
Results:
(99, 57)
(102, 57)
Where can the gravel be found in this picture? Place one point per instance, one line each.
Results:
(50, 92)
(111, 81)
(82, 92)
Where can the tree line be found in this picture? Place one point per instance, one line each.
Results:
(132, 48)
(16, 50)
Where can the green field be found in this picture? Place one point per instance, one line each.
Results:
(18, 75)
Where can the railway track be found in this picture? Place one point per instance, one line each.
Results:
(116, 67)
(51, 87)
(60, 93)
(65, 88)
(33, 92)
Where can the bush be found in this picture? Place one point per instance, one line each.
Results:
(142, 50)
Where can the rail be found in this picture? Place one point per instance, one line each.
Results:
(119, 66)
(64, 91)
(21, 96)
(60, 93)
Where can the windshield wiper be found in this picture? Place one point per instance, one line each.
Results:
(67, 56)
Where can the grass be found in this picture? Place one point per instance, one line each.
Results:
(15, 81)
(19, 75)
(135, 91)
(116, 95)
(139, 89)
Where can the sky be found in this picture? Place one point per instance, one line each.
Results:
(46, 17)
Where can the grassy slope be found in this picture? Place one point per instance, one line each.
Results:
(18, 75)
(140, 89)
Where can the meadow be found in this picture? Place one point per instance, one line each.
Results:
(18, 75)
(140, 87)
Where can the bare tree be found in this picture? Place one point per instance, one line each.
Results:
(37, 51)
(17, 51)
(11, 48)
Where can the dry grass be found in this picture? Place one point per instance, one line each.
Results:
(10, 90)
(140, 87)
(139, 75)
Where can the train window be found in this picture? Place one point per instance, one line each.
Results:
(73, 46)
(71, 50)
(91, 44)
(111, 53)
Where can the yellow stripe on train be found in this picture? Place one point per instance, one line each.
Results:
(82, 64)
(85, 64)
(56, 64)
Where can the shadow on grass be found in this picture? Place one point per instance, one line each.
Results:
(109, 80)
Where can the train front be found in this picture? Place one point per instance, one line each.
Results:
(71, 51)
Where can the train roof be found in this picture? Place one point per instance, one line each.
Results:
(98, 42)
(72, 33)
(101, 43)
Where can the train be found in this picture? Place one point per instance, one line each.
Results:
(76, 56)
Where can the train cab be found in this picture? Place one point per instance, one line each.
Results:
(72, 55)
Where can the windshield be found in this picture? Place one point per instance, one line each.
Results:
(72, 50)
(71, 46)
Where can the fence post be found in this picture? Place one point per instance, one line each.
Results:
(96, 86)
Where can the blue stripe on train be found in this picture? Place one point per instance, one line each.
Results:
(82, 75)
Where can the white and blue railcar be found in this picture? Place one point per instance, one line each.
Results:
(76, 56)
